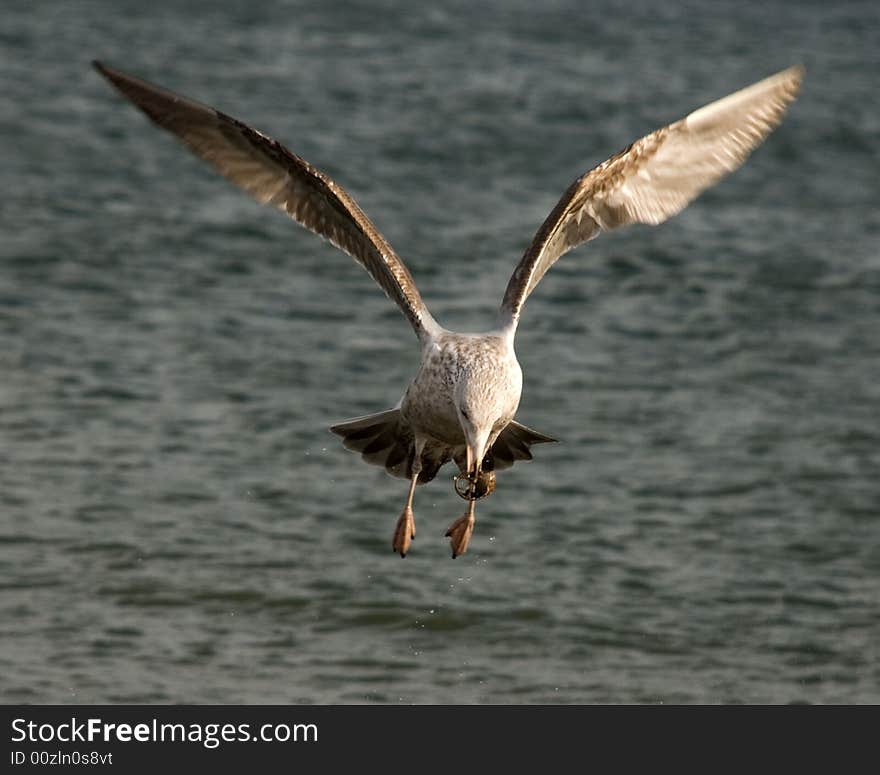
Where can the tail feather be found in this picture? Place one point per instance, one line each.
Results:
(513, 444)
(398, 456)
(358, 434)
(384, 440)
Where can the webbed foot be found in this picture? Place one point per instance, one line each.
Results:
(404, 532)
(459, 533)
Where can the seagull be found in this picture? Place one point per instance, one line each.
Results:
(461, 403)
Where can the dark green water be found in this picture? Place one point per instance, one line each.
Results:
(177, 525)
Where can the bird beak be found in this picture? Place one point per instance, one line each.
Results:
(476, 451)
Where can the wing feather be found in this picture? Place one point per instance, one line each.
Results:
(655, 177)
(275, 176)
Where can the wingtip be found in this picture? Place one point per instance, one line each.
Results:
(791, 78)
(796, 73)
(106, 72)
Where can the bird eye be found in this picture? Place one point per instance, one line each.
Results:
(465, 415)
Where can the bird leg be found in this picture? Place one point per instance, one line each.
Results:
(471, 483)
(406, 525)
(459, 533)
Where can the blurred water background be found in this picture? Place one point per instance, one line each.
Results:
(176, 522)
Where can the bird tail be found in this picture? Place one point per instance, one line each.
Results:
(384, 440)
(513, 444)
(381, 439)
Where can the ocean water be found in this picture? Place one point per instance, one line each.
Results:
(178, 525)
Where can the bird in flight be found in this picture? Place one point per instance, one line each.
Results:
(461, 403)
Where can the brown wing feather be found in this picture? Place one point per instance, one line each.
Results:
(655, 177)
(275, 176)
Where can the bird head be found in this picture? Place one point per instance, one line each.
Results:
(478, 417)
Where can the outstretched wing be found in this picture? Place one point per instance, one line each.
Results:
(655, 177)
(275, 176)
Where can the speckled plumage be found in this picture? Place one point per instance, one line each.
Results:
(462, 401)
(481, 367)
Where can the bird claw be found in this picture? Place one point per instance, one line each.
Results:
(460, 532)
(404, 532)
